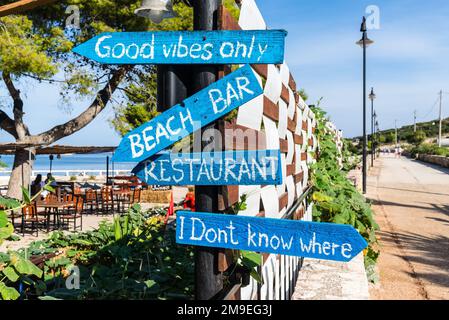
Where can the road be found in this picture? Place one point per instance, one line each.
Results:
(411, 203)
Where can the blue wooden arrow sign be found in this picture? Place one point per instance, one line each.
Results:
(208, 169)
(195, 112)
(186, 47)
(323, 241)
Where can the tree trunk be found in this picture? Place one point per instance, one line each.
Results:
(21, 173)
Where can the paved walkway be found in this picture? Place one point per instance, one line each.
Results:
(329, 280)
(412, 208)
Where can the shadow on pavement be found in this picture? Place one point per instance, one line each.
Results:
(410, 190)
(429, 251)
(432, 207)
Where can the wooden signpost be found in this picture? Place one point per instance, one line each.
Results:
(197, 111)
(286, 237)
(219, 168)
(186, 47)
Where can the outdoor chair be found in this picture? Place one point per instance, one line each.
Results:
(31, 218)
(15, 215)
(107, 200)
(130, 199)
(91, 201)
(67, 197)
(73, 213)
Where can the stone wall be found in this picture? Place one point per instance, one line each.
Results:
(440, 160)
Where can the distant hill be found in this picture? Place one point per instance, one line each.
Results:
(406, 133)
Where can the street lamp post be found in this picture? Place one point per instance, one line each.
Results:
(372, 96)
(376, 134)
(51, 157)
(364, 43)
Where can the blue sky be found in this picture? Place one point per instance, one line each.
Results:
(407, 65)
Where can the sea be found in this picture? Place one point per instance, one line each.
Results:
(70, 162)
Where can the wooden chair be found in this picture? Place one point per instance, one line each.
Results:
(91, 201)
(131, 198)
(15, 215)
(73, 213)
(67, 197)
(30, 217)
(137, 195)
(107, 200)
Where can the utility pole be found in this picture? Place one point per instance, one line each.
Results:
(414, 116)
(208, 279)
(440, 132)
(396, 130)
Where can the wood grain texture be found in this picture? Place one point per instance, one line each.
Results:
(283, 145)
(311, 142)
(211, 169)
(285, 95)
(298, 177)
(292, 83)
(240, 138)
(186, 47)
(291, 168)
(298, 139)
(226, 21)
(229, 197)
(283, 201)
(291, 125)
(183, 119)
(305, 126)
(276, 236)
(270, 109)
(261, 70)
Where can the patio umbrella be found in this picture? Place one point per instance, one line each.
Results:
(86, 186)
(96, 187)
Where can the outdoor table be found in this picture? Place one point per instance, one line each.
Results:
(55, 207)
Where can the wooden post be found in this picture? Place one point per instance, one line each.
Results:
(208, 279)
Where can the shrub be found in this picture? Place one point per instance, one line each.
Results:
(73, 178)
(336, 199)
(429, 149)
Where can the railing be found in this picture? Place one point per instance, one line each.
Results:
(69, 173)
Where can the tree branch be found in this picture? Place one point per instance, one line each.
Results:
(7, 124)
(21, 128)
(76, 124)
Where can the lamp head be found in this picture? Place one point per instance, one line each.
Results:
(372, 95)
(365, 39)
(156, 10)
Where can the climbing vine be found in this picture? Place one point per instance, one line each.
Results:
(336, 198)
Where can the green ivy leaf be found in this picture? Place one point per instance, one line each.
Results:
(252, 258)
(256, 276)
(3, 219)
(27, 267)
(150, 283)
(26, 195)
(9, 203)
(49, 188)
(11, 274)
(8, 293)
(6, 232)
